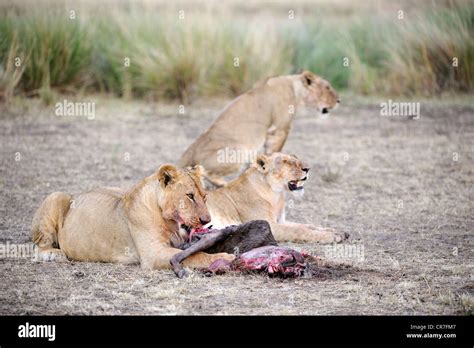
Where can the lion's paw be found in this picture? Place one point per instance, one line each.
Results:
(223, 256)
(329, 236)
(51, 255)
(182, 273)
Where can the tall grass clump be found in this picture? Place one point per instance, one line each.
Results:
(385, 55)
(179, 59)
(54, 50)
(142, 49)
(320, 48)
(434, 53)
(10, 74)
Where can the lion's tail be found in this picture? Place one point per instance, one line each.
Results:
(49, 218)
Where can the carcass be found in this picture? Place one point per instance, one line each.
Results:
(273, 260)
(255, 249)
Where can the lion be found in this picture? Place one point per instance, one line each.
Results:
(256, 122)
(142, 225)
(259, 194)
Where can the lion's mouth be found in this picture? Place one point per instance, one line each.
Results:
(192, 230)
(296, 185)
(187, 228)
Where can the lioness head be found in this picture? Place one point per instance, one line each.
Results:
(182, 197)
(317, 92)
(283, 172)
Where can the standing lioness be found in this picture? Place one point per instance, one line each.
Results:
(257, 121)
(140, 225)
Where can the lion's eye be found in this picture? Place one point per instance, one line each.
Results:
(190, 196)
(328, 88)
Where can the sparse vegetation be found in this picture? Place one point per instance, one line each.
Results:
(466, 303)
(331, 175)
(180, 58)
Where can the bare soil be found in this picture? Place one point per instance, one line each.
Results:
(402, 188)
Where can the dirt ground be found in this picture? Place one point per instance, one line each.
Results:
(402, 188)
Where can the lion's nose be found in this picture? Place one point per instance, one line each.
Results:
(204, 221)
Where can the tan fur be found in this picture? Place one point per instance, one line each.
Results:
(136, 226)
(257, 121)
(259, 193)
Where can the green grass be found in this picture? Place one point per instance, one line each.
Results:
(54, 51)
(180, 59)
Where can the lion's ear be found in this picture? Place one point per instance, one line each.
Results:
(197, 170)
(307, 78)
(167, 174)
(261, 163)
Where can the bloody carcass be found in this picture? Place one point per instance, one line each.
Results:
(253, 244)
(271, 259)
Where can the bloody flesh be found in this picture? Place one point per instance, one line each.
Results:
(254, 245)
(234, 239)
(273, 260)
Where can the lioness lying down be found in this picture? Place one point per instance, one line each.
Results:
(143, 224)
(259, 194)
(257, 121)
